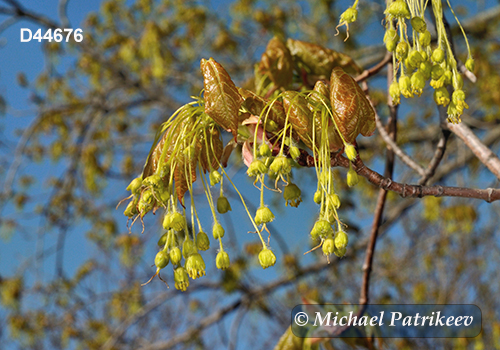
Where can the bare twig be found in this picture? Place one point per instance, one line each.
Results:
(375, 69)
(436, 159)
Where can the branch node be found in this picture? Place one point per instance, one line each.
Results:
(440, 191)
(490, 192)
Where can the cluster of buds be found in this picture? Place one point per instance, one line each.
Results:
(418, 61)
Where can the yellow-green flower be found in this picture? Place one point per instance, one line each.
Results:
(266, 258)
(181, 279)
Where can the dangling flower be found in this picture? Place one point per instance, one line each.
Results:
(292, 195)
(348, 16)
(195, 266)
(222, 260)
(263, 216)
(181, 279)
(266, 258)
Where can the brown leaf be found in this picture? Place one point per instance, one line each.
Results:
(222, 100)
(256, 104)
(321, 60)
(352, 111)
(299, 115)
(277, 63)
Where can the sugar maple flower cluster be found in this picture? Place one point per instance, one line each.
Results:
(304, 109)
(418, 61)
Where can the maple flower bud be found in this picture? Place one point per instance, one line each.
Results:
(177, 221)
(448, 77)
(352, 178)
(334, 200)
(195, 266)
(292, 195)
(131, 209)
(167, 221)
(223, 205)
(398, 9)
(257, 167)
(426, 68)
(328, 246)
(350, 151)
(264, 150)
(294, 152)
(470, 65)
(394, 92)
(263, 215)
(402, 50)
(317, 197)
(339, 252)
(341, 240)
(348, 16)
(188, 248)
(391, 39)
(405, 86)
(417, 83)
(424, 38)
(280, 166)
(215, 177)
(266, 258)
(222, 260)
(181, 279)
(152, 181)
(163, 239)
(437, 55)
(458, 99)
(175, 255)
(202, 241)
(321, 228)
(418, 23)
(442, 96)
(161, 259)
(415, 58)
(218, 231)
(135, 185)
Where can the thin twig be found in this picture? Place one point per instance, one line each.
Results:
(436, 159)
(375, 69)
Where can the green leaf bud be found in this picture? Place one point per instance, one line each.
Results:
(402, 50)
(321, 228)
(181, 279)
(161, 259)
(341, 240)
(263, 216)
(264, 150)
(391, 39)
(417, 83)
(405, 86)
(442, 96)
(223, 205)
(437, 55)
(317, 197)
(202, 241)
(222, 260)
(328, 246)
(218, 231)
(398, 9)
(266, 258)
(470, 64)
(135, 185)
(257, 167)
(175, 255)
(188, 248)
(350, 151)
(195, 266)
(424, 38)
(352, 178)
(418, 24)
(280, 166)
(292, 195)
(294, 152)
(215, 177)
(394, 92)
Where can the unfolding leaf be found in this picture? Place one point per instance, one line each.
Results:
(321, 60)
(256, 104)
(299, 115)
(222, 100)
(211, 150)
(352, 111)
(277, 63)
